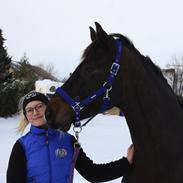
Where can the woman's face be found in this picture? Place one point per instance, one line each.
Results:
(35, 112)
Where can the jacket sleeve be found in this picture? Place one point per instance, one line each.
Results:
(16, 171)
(101, 172)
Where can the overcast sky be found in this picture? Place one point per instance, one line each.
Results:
(57, 31)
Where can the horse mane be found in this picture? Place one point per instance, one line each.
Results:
(180, 100)
(155, 67)
(128, 43)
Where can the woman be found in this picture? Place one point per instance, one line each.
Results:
(45, 155)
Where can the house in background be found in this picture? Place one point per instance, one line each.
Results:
(47, 86)
(39, 72)
(170, 75)
(43, 74)
(46, 83)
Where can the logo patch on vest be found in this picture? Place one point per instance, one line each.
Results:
(61, 152)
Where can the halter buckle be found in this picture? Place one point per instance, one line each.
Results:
(114, 68)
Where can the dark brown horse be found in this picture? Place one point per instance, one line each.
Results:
(152, 111)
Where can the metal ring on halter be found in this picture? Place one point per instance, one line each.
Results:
(77, 129)
(77, 135)
(107, 86)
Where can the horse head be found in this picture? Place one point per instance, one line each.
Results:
(91, 74)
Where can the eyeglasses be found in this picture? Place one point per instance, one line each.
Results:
(37, 108)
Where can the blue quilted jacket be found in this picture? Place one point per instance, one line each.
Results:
(49, 155)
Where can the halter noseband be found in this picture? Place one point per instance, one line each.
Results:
(78, 105)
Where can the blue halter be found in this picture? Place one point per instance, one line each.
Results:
(78, 105)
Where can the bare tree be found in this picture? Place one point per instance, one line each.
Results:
(49, 68)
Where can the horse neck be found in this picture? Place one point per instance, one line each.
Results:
(150, 103)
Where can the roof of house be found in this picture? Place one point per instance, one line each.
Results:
(42, 74)
(39, 72)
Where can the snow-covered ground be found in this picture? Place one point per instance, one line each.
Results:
(104, 139)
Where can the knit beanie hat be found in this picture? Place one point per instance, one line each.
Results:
(33, 95)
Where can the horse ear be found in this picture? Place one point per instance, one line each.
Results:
(93, 34)
(101, 34)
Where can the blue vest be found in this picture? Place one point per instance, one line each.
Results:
(49, 155)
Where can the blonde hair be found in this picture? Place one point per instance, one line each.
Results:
(23, 122)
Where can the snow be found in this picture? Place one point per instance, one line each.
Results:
(106, 138)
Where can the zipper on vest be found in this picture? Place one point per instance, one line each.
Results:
(49, 158)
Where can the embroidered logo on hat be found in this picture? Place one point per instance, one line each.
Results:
(30, 95)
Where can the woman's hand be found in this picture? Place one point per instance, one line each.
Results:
(130, 153)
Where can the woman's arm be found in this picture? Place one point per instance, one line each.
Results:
(16, 171)
(101, 172)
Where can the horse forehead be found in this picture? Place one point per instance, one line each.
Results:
(96, 47)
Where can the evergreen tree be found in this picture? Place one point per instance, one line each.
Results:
(5, 61)
(8, 89)
(23, 68)
(13, 87)
(11, 92)
(25, 74)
